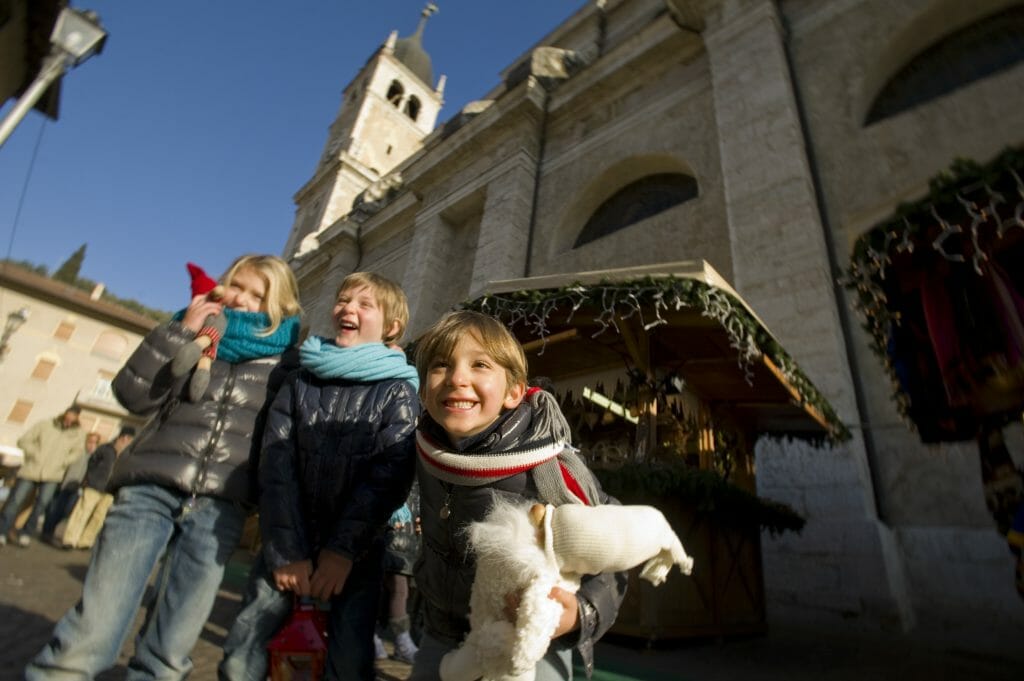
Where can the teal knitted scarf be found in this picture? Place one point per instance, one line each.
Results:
(365, 363)
(242, 340)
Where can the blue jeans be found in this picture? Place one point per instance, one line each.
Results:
(556, 665)
(350, 628)
(22, 489)
(146, 523)
(59, 509)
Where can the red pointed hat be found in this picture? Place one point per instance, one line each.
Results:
(201, 282)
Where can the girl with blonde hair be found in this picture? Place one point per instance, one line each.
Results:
(184, 486)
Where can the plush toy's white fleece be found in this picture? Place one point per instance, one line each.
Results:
(509, 558)
(512, 557)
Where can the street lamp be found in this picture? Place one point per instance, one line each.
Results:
(14, 322)
(76, 36)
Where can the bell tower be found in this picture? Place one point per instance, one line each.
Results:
(386, 112)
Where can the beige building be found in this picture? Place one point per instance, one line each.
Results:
(764, 137)
(68, 348)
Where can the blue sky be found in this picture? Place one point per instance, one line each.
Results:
(186, 139)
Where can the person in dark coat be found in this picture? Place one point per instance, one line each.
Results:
(337, 460)
(91, 509)
(484, 434)
(183, 488)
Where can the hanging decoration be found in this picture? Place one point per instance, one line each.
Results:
(961, 240)
(648, 299)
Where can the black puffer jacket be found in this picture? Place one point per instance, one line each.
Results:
(101, 465)
(202, 448)
(337, 460)
(445, 570)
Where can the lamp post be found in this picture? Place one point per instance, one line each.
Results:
(13, 323)
(76, 36)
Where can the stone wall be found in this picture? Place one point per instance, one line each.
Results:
(763, 103)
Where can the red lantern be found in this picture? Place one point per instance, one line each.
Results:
(298, 651)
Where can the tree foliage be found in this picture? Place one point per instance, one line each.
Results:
(69, 269)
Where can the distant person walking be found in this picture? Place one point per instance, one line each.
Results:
(70, 489)
(90, 511)
(50, 446)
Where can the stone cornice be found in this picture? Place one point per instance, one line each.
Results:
(387, 222)
(483, 131)
(623, 123)
(645, 44)
(522, 159)
(330, 242)
(329, 170)
(742, 20)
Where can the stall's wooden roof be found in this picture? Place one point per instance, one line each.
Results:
(692, 345)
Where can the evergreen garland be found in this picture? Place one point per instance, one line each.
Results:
(647, 298)
(703, 490)
(967, 199)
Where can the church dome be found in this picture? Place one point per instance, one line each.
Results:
(410, 50)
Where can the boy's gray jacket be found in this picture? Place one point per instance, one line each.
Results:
(201, 448)
(337, 460)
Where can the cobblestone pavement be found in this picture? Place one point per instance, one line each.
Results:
(39, 583)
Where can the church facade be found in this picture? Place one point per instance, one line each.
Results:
(762, 136)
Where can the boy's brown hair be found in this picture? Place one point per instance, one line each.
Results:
(498, 342)
(390, 297)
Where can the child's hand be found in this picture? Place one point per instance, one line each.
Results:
(570, 611)
(294, 577)
(332, 569)
(198, 310)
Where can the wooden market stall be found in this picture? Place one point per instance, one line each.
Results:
(668, 378)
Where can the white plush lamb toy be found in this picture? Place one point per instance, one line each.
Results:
(530, 548)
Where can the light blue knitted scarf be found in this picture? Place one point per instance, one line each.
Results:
(366, 362)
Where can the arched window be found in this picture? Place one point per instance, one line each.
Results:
(637, 201)
(412, 107)
(395, 92)
(110, 345)
(985, 47)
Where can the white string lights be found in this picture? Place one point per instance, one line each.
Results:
(648, 299)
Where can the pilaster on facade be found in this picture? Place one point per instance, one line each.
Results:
(432, 277)
(778, 246)
(780, 266)
(504, 228)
